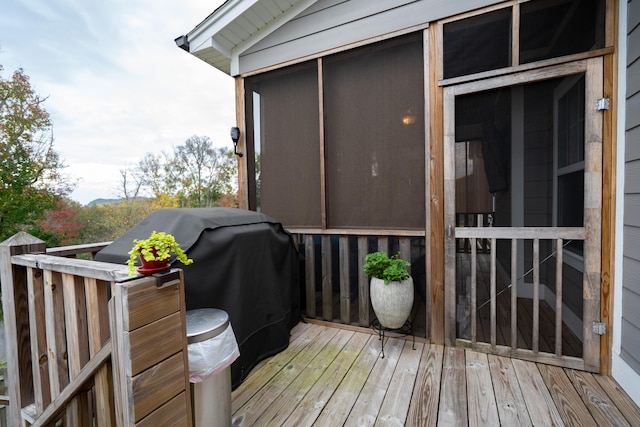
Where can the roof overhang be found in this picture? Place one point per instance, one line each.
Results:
(236, 26)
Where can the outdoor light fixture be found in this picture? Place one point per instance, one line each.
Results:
(235, 136)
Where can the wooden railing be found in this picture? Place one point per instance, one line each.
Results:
(87, 344)
(512, 343)
(474, 219)
(335, 287)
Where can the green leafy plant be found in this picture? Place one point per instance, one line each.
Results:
(158, 247)
(389, 269)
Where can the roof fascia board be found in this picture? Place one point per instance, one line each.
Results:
(281, 20)
(223, 16)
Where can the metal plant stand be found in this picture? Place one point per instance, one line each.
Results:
(404, 331)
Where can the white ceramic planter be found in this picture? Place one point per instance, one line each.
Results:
(392, 302)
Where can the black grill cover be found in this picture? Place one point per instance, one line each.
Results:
(245, 263)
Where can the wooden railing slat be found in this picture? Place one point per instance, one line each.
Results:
(75, 316)
(474, 291)
(363, 283)
(536, 295)
(345, 286)
(404, 244)
(98, 331)
(74, 386)
(16, 322)
(56, 348)
(493, 291)
(383, 244)
(310, 274)
(37, 322)
(514, 293)
(559, 264)
(327, 290)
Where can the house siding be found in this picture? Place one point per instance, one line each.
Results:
(630, 325)
(329, 24)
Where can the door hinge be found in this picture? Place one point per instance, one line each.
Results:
(602, 104)
(599, 328)
(450, 232)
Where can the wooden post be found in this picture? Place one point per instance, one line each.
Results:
(16, 322)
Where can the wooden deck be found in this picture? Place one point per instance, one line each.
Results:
(333, 377)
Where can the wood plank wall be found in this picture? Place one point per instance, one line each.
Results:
(152, 346)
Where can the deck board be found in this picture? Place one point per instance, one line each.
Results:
(512, 408)
(365, 410)
(423, 409)
(333, 377)
(482, 400)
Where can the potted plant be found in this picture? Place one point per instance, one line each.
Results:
(154, 253)
(391, 288)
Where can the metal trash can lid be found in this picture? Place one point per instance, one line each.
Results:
(205, 323)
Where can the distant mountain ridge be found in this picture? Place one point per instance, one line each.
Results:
(97, 202)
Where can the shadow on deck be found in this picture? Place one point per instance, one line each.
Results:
(332, 377)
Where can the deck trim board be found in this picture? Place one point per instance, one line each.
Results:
(337, 377)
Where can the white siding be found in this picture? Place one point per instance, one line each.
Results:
(630, 327)
(329, 24)
(626, 354)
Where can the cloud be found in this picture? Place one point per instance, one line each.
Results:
(117, 85)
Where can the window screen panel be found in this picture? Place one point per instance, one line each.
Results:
(476, 44)
(289, 188)
(374, 136)
(552, 28)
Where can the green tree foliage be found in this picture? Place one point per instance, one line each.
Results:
(196, 174)
(30, 170)
(104, 223)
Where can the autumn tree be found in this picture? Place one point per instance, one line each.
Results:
(30, 170)
(106, 222)
(60, 226)
(202, 172)
(196, 174)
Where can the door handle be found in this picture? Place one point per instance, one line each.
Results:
(449, 232)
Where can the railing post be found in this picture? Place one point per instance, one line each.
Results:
(15, 302)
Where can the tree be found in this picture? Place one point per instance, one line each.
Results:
(202, 172)
(30, 170)
(195, 175)
(151, 174)
(60, 226)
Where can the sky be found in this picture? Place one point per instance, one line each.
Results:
(117, 86)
